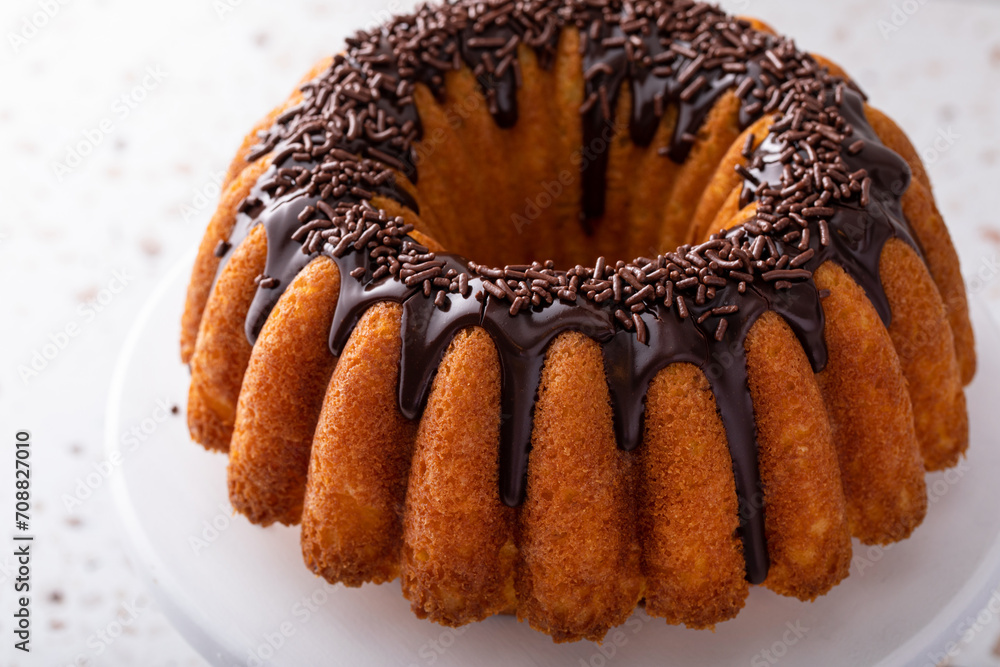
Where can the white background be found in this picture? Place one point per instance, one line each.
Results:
(142, 196)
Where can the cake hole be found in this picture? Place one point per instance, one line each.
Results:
(512, 196)
(535, 220)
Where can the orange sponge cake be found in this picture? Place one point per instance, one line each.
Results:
(558, 307)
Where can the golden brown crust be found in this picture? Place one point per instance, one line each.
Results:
(808, 540)
(281, 398)
(568, 134)
(458, 558)
(352, 519)
(223, 352)
(942, 261)
(650, 204)
(692, 558)
(526, 146)
(926, 351)
(717, 136)
(206, 264)
(725, 180)
(444, 164)
(869, 407)
(611, 232)
(579, 573)
(478, 142)
(651, 185)
(934, 238)
(539, 198)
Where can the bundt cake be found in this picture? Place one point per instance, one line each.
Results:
(375, 341)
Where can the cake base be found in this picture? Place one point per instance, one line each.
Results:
(235, 610)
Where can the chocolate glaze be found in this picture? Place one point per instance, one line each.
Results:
(427, 333)
(286, 257)
(857, 233)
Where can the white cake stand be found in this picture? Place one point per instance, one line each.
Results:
(241, 595)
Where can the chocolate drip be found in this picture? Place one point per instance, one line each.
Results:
(363, 108)
(860, 233)
(521, 343)
(727, 373)
(630, 366)
(802, 310)
(357, 296)
(381, 145)
(286, 256)
(608, 67)
(285, 259)
(427, 333)
(500, 90)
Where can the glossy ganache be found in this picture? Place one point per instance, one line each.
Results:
(824, 186)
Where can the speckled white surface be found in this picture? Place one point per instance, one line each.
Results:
(141, 197)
